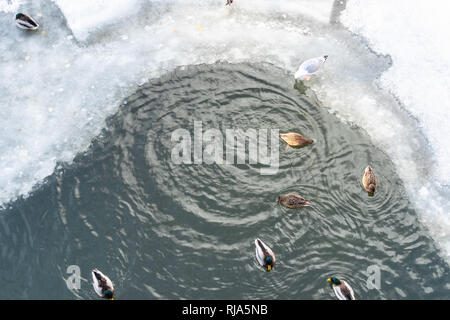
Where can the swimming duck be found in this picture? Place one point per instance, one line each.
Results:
(309, 67)
(102, 285)
(295, 140)
(342, 289)
(26, 22)
(292, 200)
(370, 181)
(264, 255)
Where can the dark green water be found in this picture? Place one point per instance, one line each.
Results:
(161, 230)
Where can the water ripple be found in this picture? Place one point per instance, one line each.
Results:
(186, 231)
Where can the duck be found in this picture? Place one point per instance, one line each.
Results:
(342, 289)
(26, 22)
(370, 181)
(292, 200)
(264, 255)
(309, 67)
(102, 285)
(295, 140)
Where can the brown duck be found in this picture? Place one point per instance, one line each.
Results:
(295, 140)
(292, 200)
(370, 181)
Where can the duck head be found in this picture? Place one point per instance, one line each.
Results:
(269, 263)
(109, 294)
(333, 280)
(371, 191)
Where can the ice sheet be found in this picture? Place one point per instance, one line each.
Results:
(59, 84)
(416, 36)
(87, 16)
(9, 5)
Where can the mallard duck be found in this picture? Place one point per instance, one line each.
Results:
(26, 22)
(370, 181)
(342, 289)
(295, 140)
(264, 255)
(102, 285)
(292, 200)
(309, 67)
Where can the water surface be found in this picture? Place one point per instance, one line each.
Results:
(162, 230)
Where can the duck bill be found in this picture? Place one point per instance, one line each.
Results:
(329, 280)
(269, 267)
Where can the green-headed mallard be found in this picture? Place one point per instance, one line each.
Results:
(309, 67)
(102, 285)
(342, 289)
(264, 255)
(26, 22)
(295, 140)
(370, 181)
(292, 200)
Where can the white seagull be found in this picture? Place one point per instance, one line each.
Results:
(309, 67)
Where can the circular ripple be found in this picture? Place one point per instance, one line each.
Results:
(221, 208)
(186, 231)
